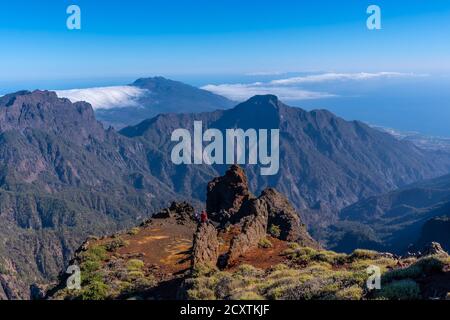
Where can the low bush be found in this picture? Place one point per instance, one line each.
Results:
(275, 231)
(265, 243)
(115, 244)
(135, 265)
(406, 289)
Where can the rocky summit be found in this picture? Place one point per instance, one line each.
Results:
(249, 248)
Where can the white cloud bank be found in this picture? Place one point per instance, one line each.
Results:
(240, 92)
(105, 97)
(327, 77)
(288, 89)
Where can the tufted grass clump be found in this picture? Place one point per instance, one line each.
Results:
(265, 243)
(135, 265)
(115, 244)
(275, 231)
(422, 267)
(362, 254)
(406, 289)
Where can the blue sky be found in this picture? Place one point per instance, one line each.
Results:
(238, 48)
(125, 39)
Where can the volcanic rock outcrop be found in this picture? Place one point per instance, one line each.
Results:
(433, 248)
(226, 194)
(206, 245)
(253, 229)
(244, 220)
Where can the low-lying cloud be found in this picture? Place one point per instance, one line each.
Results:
(290, 88)
(327, 77)
(105, 97)
(240, 92)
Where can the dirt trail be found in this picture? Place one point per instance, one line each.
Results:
(163, 243)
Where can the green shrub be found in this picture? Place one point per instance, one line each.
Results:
(431, 264)
(226, 284)
(143, 283)
(203, 270)
(94, 253)
(363, 254)
(115, 244)
(247, 270)
(311, 289)
(134, 275)
(90, 266)
(351, 293)
(278, 267)
(275, 231)
(135, 265)
(134, 231)
(201, 294)
(247, 295)
(96, 290)
(400, 290)
(3, 269)
(293, 245)
(421, 267)
(265, 243)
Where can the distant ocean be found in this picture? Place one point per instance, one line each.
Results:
(419, 103)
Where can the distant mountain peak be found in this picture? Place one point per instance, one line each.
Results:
(43, 110)
(26, 96)
(163, 96)
(151, 82)
(266, 98)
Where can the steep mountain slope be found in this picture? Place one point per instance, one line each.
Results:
(163, 96)
(326, 163)
(62, 178)
(252, 248)
(395, 219)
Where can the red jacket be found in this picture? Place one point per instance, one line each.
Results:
(203, 216)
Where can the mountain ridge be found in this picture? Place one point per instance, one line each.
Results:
(346, 152)
(63, 176)
(163, 96)
(398, 217)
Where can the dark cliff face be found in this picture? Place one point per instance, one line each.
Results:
(398, 219)
(43, 110)
(62, 178)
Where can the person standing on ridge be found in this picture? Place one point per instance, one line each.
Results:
(204, 217)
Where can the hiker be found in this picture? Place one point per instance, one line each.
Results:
(203, 217)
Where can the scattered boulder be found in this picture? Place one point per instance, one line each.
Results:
(226, 194)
